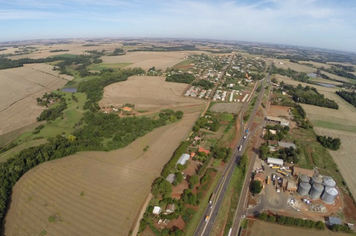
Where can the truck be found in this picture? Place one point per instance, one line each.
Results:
(206, 218)
(285, 173)
(268, 179)
(275, 167)
(211, 198)
(240, 148)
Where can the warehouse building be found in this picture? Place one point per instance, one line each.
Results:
(274, 161)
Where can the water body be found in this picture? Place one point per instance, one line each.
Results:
(327, 85)
(70, 90)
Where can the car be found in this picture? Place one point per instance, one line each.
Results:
(245, 136)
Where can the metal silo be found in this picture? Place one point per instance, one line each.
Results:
(317, 180)
(329, 195)
(304, 188)
(329, 182)
(304, 178)
(316, 190)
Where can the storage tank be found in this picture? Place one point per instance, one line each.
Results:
(329, 195)
(304, 178)
(317, 180)
(304, 188)
(329, 182)
(316, 190)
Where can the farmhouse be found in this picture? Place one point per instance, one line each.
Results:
(278, 120)
(334, 221)
(201, 149)
(170, 208)
(287, 145)
(275, 161)
(183, 159)
(300, 171)
(157, 210)
(260, 177)
(171, 177)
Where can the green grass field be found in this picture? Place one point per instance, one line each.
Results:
(72, 115)
(183, 64)
(337, 126)
(226, 117)
(10, 153)
(102, 66)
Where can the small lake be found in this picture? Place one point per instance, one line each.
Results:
(327, 85)
(70, 90)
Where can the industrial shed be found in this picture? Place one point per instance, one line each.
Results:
(334, 221)
(171, 177)
(183, 159)
(287, 145)
(278, 120)
(275, 161)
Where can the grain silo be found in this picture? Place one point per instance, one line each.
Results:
(316, 190)
(329, 182)
(304, 179)
(304, 188)
(317, 180)
(329, 195)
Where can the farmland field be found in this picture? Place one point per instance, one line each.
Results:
(102, 66)
(261, 228)
(19, 88)
(146, 60)
(103, 191)
(294, 66)
(227, 107)
(147, 93)
(337, 124)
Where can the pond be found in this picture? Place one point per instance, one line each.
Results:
(327, 85)
(70, 90)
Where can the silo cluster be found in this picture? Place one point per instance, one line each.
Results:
(318, 187)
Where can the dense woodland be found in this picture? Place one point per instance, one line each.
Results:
(350, 97)
(205, 84)
(181, 78)
(309, 95)
(329, 142)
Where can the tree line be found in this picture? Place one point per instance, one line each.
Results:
(350, 97)
(181, 78)
(309, 95)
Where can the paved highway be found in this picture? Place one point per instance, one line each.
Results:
(205, 226)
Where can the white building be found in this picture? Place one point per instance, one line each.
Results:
(183, 159)
(274, 161)
(157, 210)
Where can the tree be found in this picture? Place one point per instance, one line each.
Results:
(179, 177)
(193, 180)
(196, 128)
(256, 187)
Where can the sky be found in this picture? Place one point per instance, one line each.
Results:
(315, 23)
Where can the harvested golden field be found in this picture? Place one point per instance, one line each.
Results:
(261, 228)
(93, 193)
(345, 156)
(147, 93)
(146, 60)
(19, 88)
(294, 66)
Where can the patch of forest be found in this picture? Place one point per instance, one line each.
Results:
(309, 95)
(350, 97)
(181, 78)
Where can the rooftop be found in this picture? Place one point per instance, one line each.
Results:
(183, 159)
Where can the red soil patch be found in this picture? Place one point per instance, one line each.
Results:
(178, 190)
(177, 223)
(349, 207)
(278, 111)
